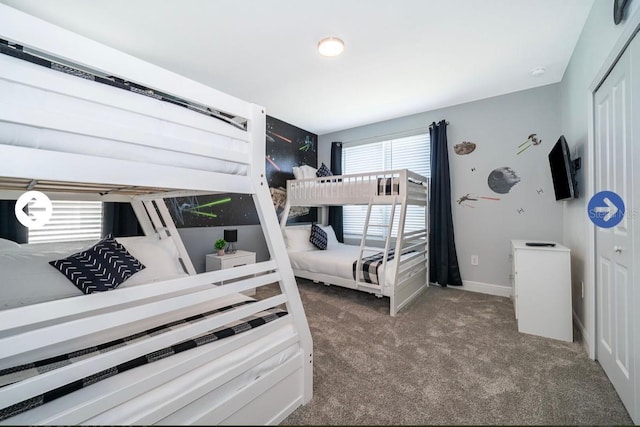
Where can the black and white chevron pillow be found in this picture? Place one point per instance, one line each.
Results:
(101, 268)
(318, 237)
(323, 171)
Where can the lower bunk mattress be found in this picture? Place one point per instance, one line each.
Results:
(339, 261)
(102, 385)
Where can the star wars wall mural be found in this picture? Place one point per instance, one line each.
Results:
(213, 210)
(532, 140)
(286, 146)
(501, 180)
(465, 147)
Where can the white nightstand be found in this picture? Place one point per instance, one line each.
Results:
(214, 262)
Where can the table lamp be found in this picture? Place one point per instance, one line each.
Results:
(231, 236)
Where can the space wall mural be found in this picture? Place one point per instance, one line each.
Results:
(501, 180)
(286, 146)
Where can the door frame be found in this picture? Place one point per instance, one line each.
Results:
(631, 28)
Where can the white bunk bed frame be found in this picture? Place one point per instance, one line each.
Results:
(27, 96)
(411, 275)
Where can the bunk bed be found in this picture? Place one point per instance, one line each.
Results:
(374, 265)
(79, 120)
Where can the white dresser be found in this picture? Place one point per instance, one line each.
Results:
(542, 290)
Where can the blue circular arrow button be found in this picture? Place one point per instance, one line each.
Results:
(606, 209)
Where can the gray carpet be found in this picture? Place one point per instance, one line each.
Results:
(451, 357)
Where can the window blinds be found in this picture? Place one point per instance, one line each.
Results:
(412, 152)
(70, 220)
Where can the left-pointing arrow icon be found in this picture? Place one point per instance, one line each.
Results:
(610, 209)
(41, 211)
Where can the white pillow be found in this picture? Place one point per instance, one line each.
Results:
(297, 173)
(308, 172)
(332, 240)
(297, 238)
(160, 258)
(27, 278)
(9, 245)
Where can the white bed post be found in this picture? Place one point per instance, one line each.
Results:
(275, 243)
(285, 213)
(143, 216)
(393, 306)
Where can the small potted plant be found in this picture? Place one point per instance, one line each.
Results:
(220, 245)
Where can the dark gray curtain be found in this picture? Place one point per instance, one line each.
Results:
(10, 228)
(335, 212)
(443, 260)
(119, 220)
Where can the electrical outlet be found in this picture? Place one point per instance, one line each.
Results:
(474, 259)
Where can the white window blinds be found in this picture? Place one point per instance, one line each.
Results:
(70, 220)
(412, 152)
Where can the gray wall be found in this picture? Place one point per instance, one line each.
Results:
(595, 44)
(498, 126)
(199, 242)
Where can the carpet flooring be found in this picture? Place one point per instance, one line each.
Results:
(450, 357)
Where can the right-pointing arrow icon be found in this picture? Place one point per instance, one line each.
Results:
(610, 209)
(606, 209)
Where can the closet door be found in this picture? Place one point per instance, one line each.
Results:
(615, 316)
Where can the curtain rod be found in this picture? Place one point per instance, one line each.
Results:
(446, 122)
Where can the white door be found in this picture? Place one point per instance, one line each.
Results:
(615, 317)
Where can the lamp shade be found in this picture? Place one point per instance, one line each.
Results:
(231, 235)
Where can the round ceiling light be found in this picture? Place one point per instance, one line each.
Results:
(330, 46)
(536, 72)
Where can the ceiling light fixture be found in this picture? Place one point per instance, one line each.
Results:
(536, 72)
(330, 46)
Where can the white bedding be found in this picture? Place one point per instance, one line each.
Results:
(27, 278)
(338, 261)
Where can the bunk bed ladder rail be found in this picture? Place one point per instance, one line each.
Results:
(154, 218)
(363, 244)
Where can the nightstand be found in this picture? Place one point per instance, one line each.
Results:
(214, 262)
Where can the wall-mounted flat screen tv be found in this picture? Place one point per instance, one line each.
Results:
(563, 171)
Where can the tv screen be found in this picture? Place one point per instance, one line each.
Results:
(562, 171)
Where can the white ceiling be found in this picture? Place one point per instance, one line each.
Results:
(401, 56)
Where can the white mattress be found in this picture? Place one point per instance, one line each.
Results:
(52, 140)
(338, 262)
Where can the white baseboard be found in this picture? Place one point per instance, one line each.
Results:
(484, 288)
(586, 338)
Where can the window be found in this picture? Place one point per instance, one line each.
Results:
(412, 152)
(70, 220)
